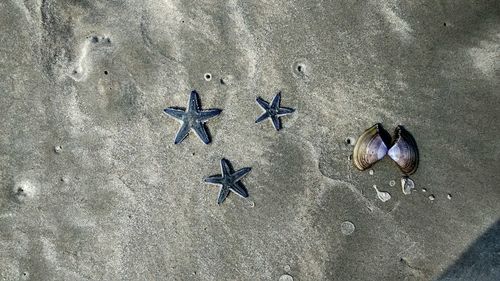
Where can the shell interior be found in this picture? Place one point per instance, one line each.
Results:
(404, 151)
(371, 147)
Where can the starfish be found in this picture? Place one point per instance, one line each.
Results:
(229, 181)
(273, 111)
(192, 118)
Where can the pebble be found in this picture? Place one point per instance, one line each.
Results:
(58, 149)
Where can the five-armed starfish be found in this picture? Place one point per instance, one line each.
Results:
(273, 111)
(192, 118)
(229, 181)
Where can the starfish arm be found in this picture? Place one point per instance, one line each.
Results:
(225, 168)
(209, 113)
(182, 133)
(239, 189)
(263, 117)
(174, 112)
(241, 173)
(223, 193)
(262, 103)
(276, 101)
(193, 101)
(217, 179)
(285, 110)
(201, 132)
(276, 122)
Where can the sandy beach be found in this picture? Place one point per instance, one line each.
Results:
(92, 186)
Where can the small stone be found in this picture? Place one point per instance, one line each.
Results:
(371, 172)
(432, 197)
(58, 149)
(227, 80)
(287, 268)
(424, 189)
(448, 196)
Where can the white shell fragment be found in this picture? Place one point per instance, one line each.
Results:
(347, 228)
(382, 195)
(407, 185)
(285, 277)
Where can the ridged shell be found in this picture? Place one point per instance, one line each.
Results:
(370, 147)
(404, 151)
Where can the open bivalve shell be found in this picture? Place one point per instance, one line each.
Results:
(404, 151)
(370, 147)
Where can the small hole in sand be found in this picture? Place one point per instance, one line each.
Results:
(105, 72)
(208, 76)
(444, 24)
(349, 141)
(300, 68)
(75, 71)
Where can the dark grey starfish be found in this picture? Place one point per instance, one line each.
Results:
(192, 118)
(229, 181)
(273, 111)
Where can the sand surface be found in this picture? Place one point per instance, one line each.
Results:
(92, 186)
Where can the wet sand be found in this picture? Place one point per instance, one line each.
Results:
(92, 186)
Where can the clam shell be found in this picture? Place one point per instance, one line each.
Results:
(370, 147)
(404, 151)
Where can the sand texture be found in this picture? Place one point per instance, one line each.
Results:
(92, 186)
